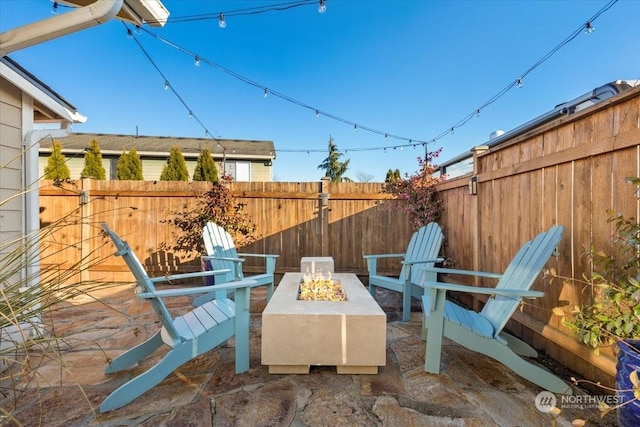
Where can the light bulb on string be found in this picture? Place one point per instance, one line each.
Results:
(266, 92)
(386, 136)
(166, 84)
(190, 114)
(453, 130)
(129, 33)
(355, 128)
(196, 61)
(322, 7)
(317, 113)
(54, 8)
(221, 22)
(477, 113)
(588, 28)
(138, 30)
(206, 132)
(519, 83)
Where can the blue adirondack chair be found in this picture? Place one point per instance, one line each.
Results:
(423, 250)
(483, 332)
(187, 336)
(222, 255)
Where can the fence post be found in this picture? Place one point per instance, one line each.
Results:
(324, 216)
(85, 227)
(475, 194)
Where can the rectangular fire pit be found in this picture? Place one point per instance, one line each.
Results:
(296, 334)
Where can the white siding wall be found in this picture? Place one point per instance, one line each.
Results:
(11, 160)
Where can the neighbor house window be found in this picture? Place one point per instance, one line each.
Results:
(239, 171)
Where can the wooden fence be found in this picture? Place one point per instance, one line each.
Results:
(566, 172)
(342, 220)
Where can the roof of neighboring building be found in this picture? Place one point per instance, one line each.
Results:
(159, 146)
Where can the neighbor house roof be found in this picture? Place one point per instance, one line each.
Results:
(159, 146)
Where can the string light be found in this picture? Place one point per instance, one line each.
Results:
(196, 61)
(221, 22)
(322, 7)
(266, 92)
(190, 114)
(54, 8)
(588, 28)
(138, 30)
(451, 130)
(129, 34)
(166, 85)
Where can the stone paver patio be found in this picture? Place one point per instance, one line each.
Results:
(472, 390)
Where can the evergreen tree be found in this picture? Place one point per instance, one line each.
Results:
(57, 164)
(93, 167)
(206, 169)
(393, 176)
(333, 167)
(176, 167)
(129, 166)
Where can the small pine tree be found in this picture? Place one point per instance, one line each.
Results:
(93, 167)
(129, 166)
(57, 164)
(333, 167)
(206, 169)
(393, 176)
(176, 167)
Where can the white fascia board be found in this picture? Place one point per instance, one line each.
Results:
(36, 93)
(152, 12)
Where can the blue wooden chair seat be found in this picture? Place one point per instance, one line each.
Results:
(423, 250)
(194, 333)
(483, 332)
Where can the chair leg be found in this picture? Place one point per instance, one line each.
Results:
(518, 346)
(149, 379)
(406, 301)
(242, 322)
(503, 354)
(433, 307)
(134, 355)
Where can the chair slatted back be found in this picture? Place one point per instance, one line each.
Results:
(424, 244)
(143, 281)
(521, 273)
(218, 242)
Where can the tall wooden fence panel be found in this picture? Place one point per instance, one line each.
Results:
(342, 220)
(567, 172)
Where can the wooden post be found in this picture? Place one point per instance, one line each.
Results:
(324, 216)
(85, 230)
(475, 194)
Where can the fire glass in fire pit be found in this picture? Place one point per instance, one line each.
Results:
(320, 288)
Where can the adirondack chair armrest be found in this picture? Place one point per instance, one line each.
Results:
(464, 272)
(260, 255)
(246, 283)
(505, 292)
(210, 257)
(384, 256)
(422, 261)
(188, 275)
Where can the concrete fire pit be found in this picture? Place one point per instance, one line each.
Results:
(296, 334)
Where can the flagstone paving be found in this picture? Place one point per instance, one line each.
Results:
(472, 390)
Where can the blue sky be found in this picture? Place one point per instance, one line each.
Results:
(411, 68)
